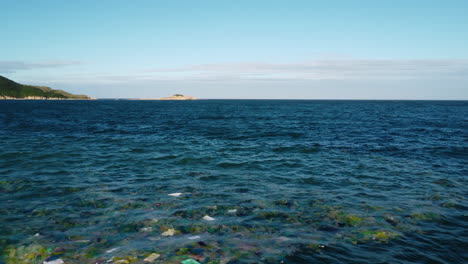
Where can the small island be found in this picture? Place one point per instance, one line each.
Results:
(180, 97)
(10, 90)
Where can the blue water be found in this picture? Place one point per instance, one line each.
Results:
(291, 181)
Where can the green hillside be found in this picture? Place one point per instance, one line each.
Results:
(9, 88)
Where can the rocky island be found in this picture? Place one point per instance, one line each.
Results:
(179, 97)
(13, 90)
(174, 97)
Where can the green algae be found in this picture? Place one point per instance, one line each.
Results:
(285, 203)
(125, 259)
(31, 254)
(426, 216)
(368, 235)
(259, 229)
(378, 235)
(315, 247)
(183, 252)
(130, 206)
(343, 218)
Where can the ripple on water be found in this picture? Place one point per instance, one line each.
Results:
(292, 181)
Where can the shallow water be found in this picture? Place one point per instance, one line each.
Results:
(291, 181)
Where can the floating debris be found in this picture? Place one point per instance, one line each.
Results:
(82, 241)
(232, 211)
(169, 232)
(152, 257)
(57, 261)
(146, 229)
(175, 194)
(112, 250)
(194, 237)
(190, 261)
(208, 218)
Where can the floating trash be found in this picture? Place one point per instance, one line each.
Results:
(146, 229)
(112, 250)
(57, 261)
(194, 237)
(152, 257)
(175, 194)
(232, 211)
(169, 232)
(208, 218)
(82, 241)
(190, 261)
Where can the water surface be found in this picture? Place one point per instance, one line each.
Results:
(291, 181)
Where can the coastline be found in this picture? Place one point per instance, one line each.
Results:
(43, 98)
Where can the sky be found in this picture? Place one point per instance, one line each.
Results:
(258, 49)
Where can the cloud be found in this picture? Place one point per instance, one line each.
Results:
(13, 66)
(248, 72)
(325, 70)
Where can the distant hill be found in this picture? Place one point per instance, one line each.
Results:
(13, 90)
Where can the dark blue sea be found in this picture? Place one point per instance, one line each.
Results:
(234, 181)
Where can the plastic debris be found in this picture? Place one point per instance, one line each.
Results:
(232, 211)
(112, 250)
(146, 229)
(169, 232)
(151, 258)
(190, 261)
(208, 218)
(82, 241)
(57, 261)
(175, 194)
(194, 237)
(37, 234)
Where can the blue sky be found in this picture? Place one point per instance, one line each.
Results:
(239, 49)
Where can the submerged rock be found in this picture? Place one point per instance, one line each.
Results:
(151, 258)
(169, 232)
(328, 229)
(26, 254)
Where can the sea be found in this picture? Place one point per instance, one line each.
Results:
(233, 181)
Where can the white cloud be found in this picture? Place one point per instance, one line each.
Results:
(325, 70)
(344, 69)
(13, 66)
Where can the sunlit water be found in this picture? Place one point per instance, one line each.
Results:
(291, 181)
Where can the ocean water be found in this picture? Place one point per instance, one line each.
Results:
(285, 181)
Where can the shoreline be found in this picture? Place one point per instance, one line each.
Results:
(44, 98)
